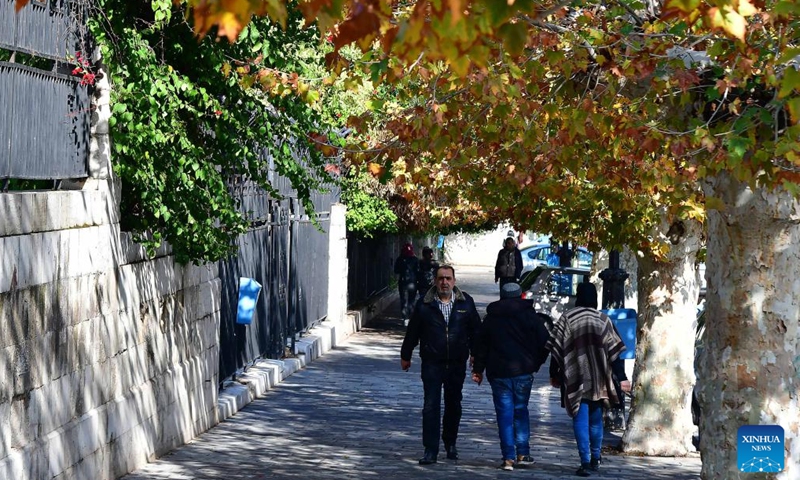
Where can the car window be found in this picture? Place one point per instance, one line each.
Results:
(564, 284)
(527, 281)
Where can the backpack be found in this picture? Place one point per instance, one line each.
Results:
(507, 265)
(426, 273)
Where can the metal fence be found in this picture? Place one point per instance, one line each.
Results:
(44, 116)
(45, 29)
(370, 267)
(288, 255)
(44, 124)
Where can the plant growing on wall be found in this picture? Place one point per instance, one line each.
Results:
(189, 115)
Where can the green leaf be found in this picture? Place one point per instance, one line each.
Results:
(514, 36)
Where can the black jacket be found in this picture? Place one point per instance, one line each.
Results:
(406, 269)
(439, 341)
(511, 340)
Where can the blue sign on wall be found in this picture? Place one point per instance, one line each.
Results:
(248, 296)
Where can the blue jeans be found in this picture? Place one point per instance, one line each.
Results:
(511, 397)
(588, 427)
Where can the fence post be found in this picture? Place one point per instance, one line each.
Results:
(337, 270)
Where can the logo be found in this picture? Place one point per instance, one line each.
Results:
(760, 448)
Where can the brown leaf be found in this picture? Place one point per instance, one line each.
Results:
(20, 4)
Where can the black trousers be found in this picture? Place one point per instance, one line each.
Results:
(408, 294)
(436, 376)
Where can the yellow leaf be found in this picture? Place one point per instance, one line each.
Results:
(375, 169)
(228, 25)
(790, 82)
(794, 109)
(746, 9)
(685, 6)
(728, 20)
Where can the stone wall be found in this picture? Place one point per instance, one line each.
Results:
(107, 358)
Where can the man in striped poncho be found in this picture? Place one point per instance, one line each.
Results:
(585, 348)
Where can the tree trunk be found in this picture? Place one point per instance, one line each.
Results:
(750, 366)
(660, 422)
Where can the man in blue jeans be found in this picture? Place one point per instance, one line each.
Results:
(510, 347)
(585, 348)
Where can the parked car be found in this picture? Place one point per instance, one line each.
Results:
(552, 289)
(536, 255)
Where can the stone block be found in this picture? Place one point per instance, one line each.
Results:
(85, 251)
(17, 465)
(121, 417)
(9, 263)
(43, 362)
(37, 262)
(22, 213)
(54, 404)
(167, 280)
(292, 365)
(20, 360)
(7, 375)
(90, 433)
(232, 399)
(108, 292)
(62, 449)
(130, 251)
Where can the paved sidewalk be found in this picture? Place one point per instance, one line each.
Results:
(354, 414)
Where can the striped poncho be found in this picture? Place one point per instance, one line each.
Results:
(583, 343)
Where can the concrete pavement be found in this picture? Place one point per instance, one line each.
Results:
(354, 414)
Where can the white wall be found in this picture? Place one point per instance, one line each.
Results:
(475, 249)
(107, 358)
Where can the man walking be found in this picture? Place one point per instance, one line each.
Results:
(508, 267)
(585, 348)
(406, 267)
(511, 348)
(444, 324)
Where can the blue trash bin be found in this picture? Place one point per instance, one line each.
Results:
(625, 321)
(248, 297)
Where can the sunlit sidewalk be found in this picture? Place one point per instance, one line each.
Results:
(354, 414)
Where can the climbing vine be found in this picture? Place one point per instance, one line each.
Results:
(189, 115)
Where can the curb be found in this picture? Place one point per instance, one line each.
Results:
(263, 375)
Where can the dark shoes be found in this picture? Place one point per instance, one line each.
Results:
(594, 465)
(452, 453)
(428, 459)
(583, 471)
(525, 460)
(507, 465)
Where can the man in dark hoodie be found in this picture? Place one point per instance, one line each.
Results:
(510, 347)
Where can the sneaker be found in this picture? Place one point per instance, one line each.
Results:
(507, 465)
(583, 471)
(594, 465)
(525, 460)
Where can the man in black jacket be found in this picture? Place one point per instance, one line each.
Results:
(511, 347)
(444, 324)
(508, 267)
